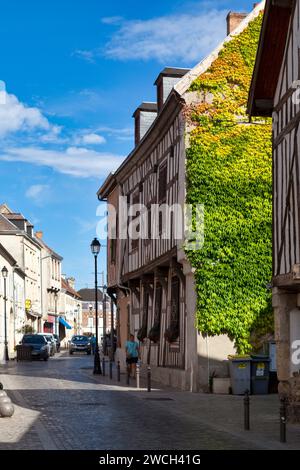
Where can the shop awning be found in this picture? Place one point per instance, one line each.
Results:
(66, 324)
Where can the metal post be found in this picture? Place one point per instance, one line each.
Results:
(128, 375)
(283, 419)
(104, 320)
(110, 369)
(103, 366)
(97, 365)
(247, 411)
(149, 378)
(138, 375)
(5, 324)
(55, 308)
(111, 329)
(119, 371)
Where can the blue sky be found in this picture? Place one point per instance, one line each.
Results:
(75, 70)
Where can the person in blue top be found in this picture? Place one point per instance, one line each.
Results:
(132, 354)
(93, 343)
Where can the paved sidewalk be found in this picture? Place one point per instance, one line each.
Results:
(62, 405)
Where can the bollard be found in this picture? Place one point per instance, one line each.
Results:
(247, 411)
(103, 367)
(149, 379)
(128, 375)
(110, 370)
(119, 371)
(282, 413)
(138, 375)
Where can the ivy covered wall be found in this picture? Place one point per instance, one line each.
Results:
(229, 170)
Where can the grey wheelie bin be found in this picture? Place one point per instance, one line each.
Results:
(260, 372)
(240, 374)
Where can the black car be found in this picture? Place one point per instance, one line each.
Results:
(80, 343)
(39, 346)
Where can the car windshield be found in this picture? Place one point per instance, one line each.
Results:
(56, 336)
(79, 338)
(34, 339)
(48, 337)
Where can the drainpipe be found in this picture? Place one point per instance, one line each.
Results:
(208, 361)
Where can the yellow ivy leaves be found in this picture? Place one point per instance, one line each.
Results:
(229, 171)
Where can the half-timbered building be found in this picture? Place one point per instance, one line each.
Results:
(150, 277)
(275, 92)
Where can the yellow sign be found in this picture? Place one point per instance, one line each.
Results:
(28, 304)
(242, 366)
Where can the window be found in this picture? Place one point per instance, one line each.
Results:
(162, 184)
(172, 151)
(135, 200)
(162, 192)
(142, 333)
(175, 303)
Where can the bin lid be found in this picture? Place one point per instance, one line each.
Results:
(260, 357)
(239, 357)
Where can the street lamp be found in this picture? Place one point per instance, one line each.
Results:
(55, 310)
(5, 275)
(95, 248)
(104, 319)
(78, 316)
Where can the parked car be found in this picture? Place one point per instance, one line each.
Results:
(57, 339)
(39, 344)
(80, 343)
(51, 341)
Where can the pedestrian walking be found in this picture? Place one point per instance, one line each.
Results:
(93, 343)
(132, 354)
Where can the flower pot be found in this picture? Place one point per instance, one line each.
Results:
(6, 410)
(5, 400)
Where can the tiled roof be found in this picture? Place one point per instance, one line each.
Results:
(65, 285)
(6, 225)
(16, 216)
(56, 255)
(88, 295)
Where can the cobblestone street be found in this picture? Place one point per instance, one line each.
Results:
(61, 405)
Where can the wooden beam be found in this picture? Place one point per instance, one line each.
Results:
(283, 3)
(264, 104)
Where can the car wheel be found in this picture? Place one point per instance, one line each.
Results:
(46, 358)
(88, 353)
(71, 353)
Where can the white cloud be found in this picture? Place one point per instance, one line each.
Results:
(84, 54)
(75, 161)
(85, 225)
(112, 20)
(36, 192)
(92, 139)
(186, 37)
(123, 133)
(16, 117)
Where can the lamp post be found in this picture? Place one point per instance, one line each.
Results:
(95, 248)
(4, 275)
(78, 316)
(104, 320)
(55, 303)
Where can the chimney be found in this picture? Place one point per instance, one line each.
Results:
(233, 20)
(71, 282)
(39, 235)
(165, 81)
(29, 229)
(144, 116)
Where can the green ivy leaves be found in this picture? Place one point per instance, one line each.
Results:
(229, 171)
